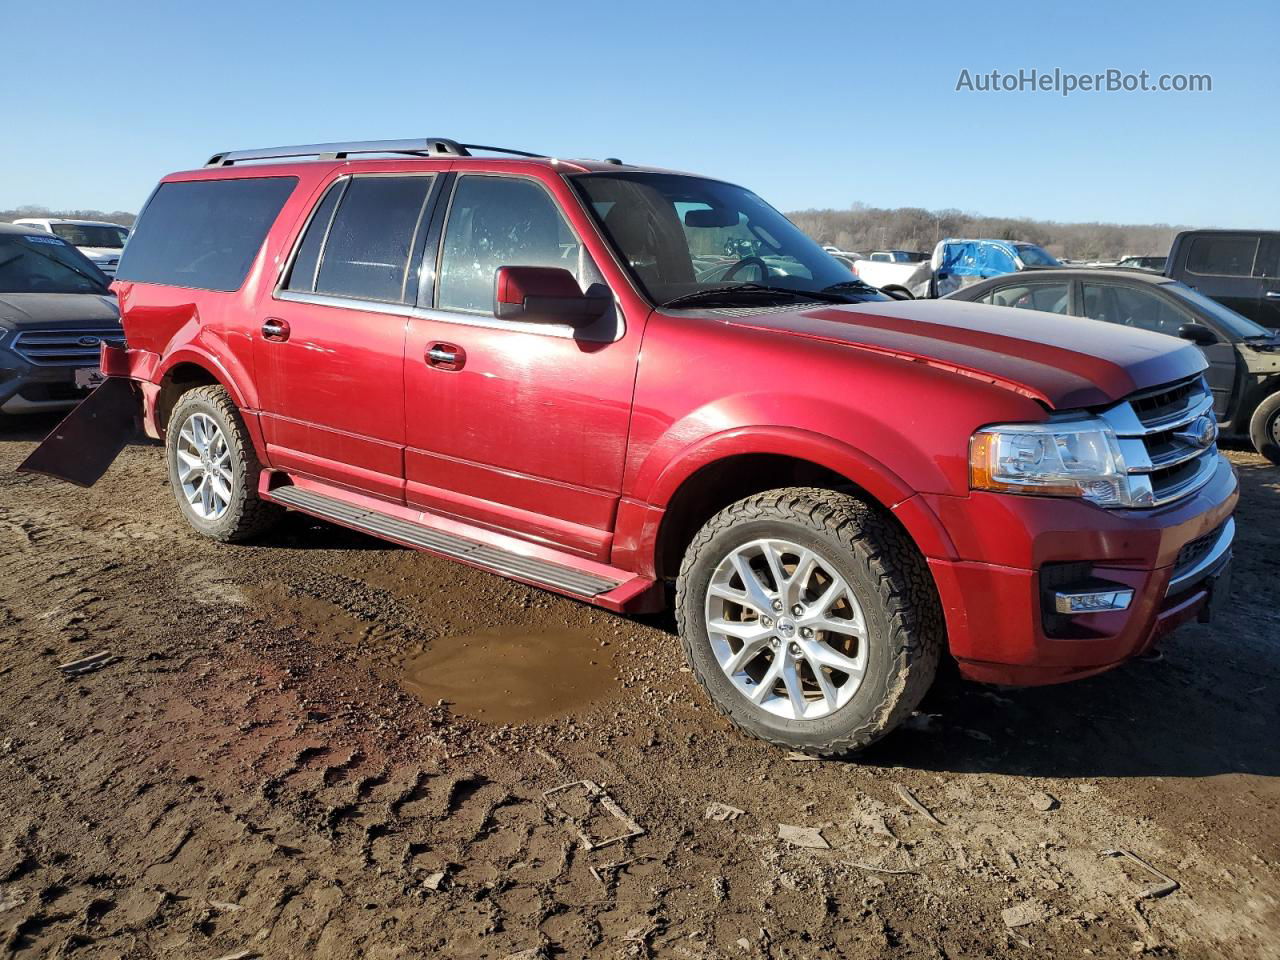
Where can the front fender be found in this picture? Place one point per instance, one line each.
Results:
(869, 474)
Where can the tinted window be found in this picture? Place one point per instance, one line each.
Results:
(367, 251)
(302, 275)
(1222, 256)
(203, 234)
(1132, 307)
(39, 263)
(1268, 262)
(500, 222)
(91, 234)
(1050, 297)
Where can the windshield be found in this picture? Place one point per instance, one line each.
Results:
(682, 236)
(91, 235)
(1241, 328)
(1034, 256)
(32, 263)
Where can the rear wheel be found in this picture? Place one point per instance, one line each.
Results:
(1264, 428)
(213, 468)
(809, 618)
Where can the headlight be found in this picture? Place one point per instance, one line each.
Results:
(1067, 458)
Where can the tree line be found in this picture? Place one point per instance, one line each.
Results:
(863, 228)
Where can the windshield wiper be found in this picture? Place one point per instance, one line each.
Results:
(850, 285)
(755, 290)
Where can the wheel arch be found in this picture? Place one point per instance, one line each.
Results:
(740, 463)
(188, 369)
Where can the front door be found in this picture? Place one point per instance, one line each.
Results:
(1141, 307)
(517, 426)
(329, 354)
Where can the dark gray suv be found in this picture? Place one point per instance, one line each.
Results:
(55, 314)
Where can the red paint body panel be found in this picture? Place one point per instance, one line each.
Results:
(572, 449)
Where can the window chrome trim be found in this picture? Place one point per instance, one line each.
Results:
(608, 329)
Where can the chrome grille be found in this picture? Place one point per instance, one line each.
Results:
(1162, 440)
(79, 347)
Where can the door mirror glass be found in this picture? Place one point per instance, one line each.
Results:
(546, 295)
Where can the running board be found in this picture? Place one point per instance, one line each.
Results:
(618, 592)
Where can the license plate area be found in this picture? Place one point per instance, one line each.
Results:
(1219, 586)
(89, 378)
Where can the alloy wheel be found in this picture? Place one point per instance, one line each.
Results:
(204, 466)
(786, 629)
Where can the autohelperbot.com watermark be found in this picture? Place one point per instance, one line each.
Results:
(1065, 83)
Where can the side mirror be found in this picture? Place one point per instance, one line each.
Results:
(544, 295)
(1198, 334)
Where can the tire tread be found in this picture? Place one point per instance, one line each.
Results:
(901, 578)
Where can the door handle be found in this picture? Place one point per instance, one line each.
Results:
(275, 330)
(445, 356)
(1273, 294)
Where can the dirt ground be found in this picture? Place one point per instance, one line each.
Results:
(325, 746)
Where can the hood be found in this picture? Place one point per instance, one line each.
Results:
(1064, 362)
(19, 310)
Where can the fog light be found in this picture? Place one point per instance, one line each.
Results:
(1092, 601)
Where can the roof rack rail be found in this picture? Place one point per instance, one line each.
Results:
(427, 146)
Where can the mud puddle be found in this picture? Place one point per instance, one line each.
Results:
(512, 674)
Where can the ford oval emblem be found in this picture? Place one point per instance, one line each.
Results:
(89, 341)
(1200, 432)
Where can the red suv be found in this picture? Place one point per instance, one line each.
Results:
(604, 379)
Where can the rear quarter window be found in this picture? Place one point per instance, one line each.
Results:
(1225, 256)
(203, 234)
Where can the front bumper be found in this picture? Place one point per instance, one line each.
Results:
(31, 387)
(995, 608)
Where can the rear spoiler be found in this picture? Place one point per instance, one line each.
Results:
(90, 437)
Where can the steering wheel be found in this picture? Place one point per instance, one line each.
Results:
(746, 262)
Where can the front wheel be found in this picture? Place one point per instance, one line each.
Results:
(213, 468)
(1264, 428)
(810, 619)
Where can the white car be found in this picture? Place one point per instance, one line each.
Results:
(98, 240)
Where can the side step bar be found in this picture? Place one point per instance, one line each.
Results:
(533, 570)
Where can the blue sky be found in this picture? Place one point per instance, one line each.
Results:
(812, 104)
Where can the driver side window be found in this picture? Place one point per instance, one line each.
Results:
(502, 222)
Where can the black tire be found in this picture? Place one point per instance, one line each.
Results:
(1264, 428)
(885, 572)
(246, 515)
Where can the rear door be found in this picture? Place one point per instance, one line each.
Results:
(329, 350)
(517, 426)
(1222, 266)
(1266, 269)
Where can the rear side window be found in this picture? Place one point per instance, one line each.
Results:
(1222, 256)
(1049, 297)
(365, 251)
(203, 234)
(302, 276)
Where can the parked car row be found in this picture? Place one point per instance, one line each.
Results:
(100, 241)
(55, 313)
(543, 368)
(1243, 357)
